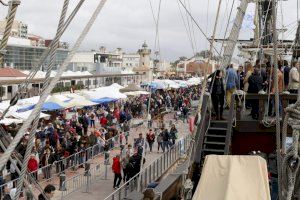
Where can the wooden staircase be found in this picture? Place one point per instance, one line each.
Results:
(215, 138)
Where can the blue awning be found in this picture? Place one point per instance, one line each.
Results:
(48, 106)
(104, 100)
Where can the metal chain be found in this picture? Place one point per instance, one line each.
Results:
(9, 23)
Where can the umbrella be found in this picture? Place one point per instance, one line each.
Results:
(131, 88)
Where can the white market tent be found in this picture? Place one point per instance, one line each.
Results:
(104, 92)
(116, 85)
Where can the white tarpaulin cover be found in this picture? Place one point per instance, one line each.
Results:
(233, 178)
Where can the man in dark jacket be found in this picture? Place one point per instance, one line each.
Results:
(255, 85)
(166, 138)
(48, 191)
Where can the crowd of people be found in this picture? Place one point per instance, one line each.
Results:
(72, 137)
(252, 79)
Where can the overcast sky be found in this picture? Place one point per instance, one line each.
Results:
(128, 23)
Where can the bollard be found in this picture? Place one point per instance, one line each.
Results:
(62, 179)
(106, 163)
(87, 173)
(106, 157)
(87, 168)
(29, 195)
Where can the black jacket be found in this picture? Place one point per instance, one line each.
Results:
(255, 83)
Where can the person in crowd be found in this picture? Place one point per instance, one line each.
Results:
(185, 111)
(241, 76)
(124, 163)
(280, 90)
(139, 144)
(49, 191)
(33, 166)
(249, 70)
(166, 140)
(255, 85)
(294, 79)
(2, 182)
(173, 134)
(92, 119)
(150, 139)
(116, 168)
(272, 168)
(286, 70)
(232, 83)
(126, 129)
(218, 94)
(47, 160)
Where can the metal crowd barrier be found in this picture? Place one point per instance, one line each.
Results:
(48, 172)
(53, 170)
(84, 179)
(153, 171)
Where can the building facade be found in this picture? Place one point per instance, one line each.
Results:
(24, 50)
(19, 29)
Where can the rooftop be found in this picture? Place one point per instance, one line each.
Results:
(10, 72)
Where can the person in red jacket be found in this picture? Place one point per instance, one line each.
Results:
(103, 121)
(33, 165)
(116, 168)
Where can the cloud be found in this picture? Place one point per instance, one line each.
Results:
(128, 23)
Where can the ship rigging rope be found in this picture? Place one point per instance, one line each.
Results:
(55, 79)
(192, 26)
(201, 30)
(156, 21)
(291, 161)
(203, 86)
(9, 23)
(186, 28)
(36, 119)
(278, 138)
(228, 21)
(42, 59)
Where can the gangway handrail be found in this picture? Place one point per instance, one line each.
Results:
(154, 170)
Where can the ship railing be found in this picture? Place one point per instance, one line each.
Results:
(153, 172)
(285, 100)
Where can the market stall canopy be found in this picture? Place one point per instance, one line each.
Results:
(194, 81)
(104, 100)
(136, 93)
(116, 85)
(131, 88)
(24, 115)
(233, 178)
(104, 92)
(9, 121)
(80, 102)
